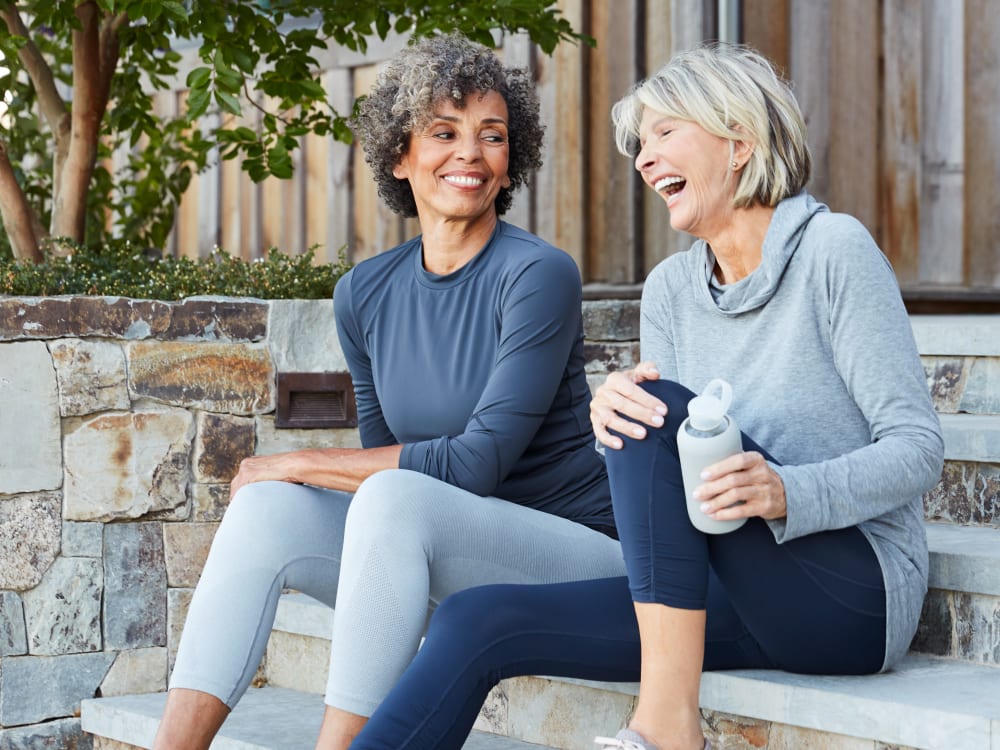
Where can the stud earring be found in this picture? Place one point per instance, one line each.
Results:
(733, 165)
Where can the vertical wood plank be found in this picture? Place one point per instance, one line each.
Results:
(251, 220)
(810, 68)
(165, 105)
(561, 215)
(765, 28)
(941, 219)
(187, 212)
(854, 110)
(210, 187)
(687, 25)
(294, 204)
(900, 168)
(982, 143)
(659, 239)
(611, 183)
(339, 221)
(230, 179)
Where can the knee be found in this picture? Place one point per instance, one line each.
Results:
(388, 502)
(460, 620)
(673, 394)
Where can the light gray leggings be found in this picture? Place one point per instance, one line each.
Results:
(404, 543)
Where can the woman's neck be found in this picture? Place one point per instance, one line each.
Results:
(448, 245)
(739, 246)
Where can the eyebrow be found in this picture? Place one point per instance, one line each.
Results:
(484, 121)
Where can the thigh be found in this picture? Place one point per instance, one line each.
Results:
(466, 540)
(814, 604)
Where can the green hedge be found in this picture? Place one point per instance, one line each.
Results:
(121, 269)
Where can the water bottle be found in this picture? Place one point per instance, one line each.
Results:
(707, 436)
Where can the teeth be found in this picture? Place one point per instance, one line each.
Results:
(666, 182)
(455, 179)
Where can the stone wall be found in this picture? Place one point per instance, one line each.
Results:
(121, 423)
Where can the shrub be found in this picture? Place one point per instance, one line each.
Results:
(123, 269)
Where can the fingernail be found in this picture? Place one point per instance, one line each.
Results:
(704, 507)
(661, 410)
(638, 432)
(657, 420)
(697, 493)
(705, 474)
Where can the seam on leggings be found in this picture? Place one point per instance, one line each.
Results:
(651, 551)
(805, 566)
(233, 698)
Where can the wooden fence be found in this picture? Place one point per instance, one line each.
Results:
(901, 98)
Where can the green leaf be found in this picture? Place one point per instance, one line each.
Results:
(197, 103)
(228, 102)
(198, 78)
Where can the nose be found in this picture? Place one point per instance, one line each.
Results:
(644, 159)
(469, 147)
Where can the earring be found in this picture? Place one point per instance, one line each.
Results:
(733, 165)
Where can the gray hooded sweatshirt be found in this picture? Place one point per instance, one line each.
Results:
(825, 373)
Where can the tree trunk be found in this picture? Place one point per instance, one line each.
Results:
(18, 218)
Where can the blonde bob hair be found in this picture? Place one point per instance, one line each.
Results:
(732, 92)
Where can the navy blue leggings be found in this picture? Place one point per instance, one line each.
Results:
(811, 605)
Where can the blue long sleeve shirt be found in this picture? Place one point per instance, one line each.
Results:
(478, 374)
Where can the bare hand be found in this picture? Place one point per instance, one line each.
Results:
(745, 477)
(621, 396)
(261, 469)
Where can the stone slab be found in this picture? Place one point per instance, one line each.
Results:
(13, 637)
(302, 337)
(135, 586)
(84, 539)
(31, 459)
(63, 612)
(64, 734)
(266, 719)
(38, 688)
(30, 533)
(964, 558)
(142, 670)
(971, 437)
(91, 376)
(967, 335)
(302, 615)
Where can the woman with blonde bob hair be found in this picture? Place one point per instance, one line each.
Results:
(798, 310)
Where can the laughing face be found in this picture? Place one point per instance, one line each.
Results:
(457, 163)
(690, 168)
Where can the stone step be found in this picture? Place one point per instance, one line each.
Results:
(957, 335)
(266, 719)
(971, 437)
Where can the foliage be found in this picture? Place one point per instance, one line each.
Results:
(249, 55)
(124, 269)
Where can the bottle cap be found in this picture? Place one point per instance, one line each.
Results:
(707, 411)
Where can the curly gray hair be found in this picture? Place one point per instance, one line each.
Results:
(420, 76)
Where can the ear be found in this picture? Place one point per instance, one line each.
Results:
(400, 172)
(742, 149)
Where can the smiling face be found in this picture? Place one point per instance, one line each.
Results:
(457, 163)
(691, 169)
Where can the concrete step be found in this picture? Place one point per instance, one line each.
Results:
(266, 719)
(957, 335)
(971, 437)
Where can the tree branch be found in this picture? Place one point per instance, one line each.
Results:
(18, 218)
(52, 105)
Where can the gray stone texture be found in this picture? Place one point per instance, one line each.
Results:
(30, 531)
(185, 547)
(82, 539)
(302, 337)
(978, 628)
(217, 319)
(935, 633)
(64, 734)
(91, 376)
(611, 320)
(271, 440)
(968, 493)
(610, 357)
(13, 638)
(142, 670)
(946, 381)
(135, 586)
(209, 501)
(222, 377)
(178, 601)
(63, 612)
(982, 390)
(37, 688)
(124, 465)
(29, 419)
(221, 442)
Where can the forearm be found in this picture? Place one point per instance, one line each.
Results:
(334, 468)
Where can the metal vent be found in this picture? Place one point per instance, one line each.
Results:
(315, 400)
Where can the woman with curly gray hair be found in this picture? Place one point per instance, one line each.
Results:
(465, 346)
